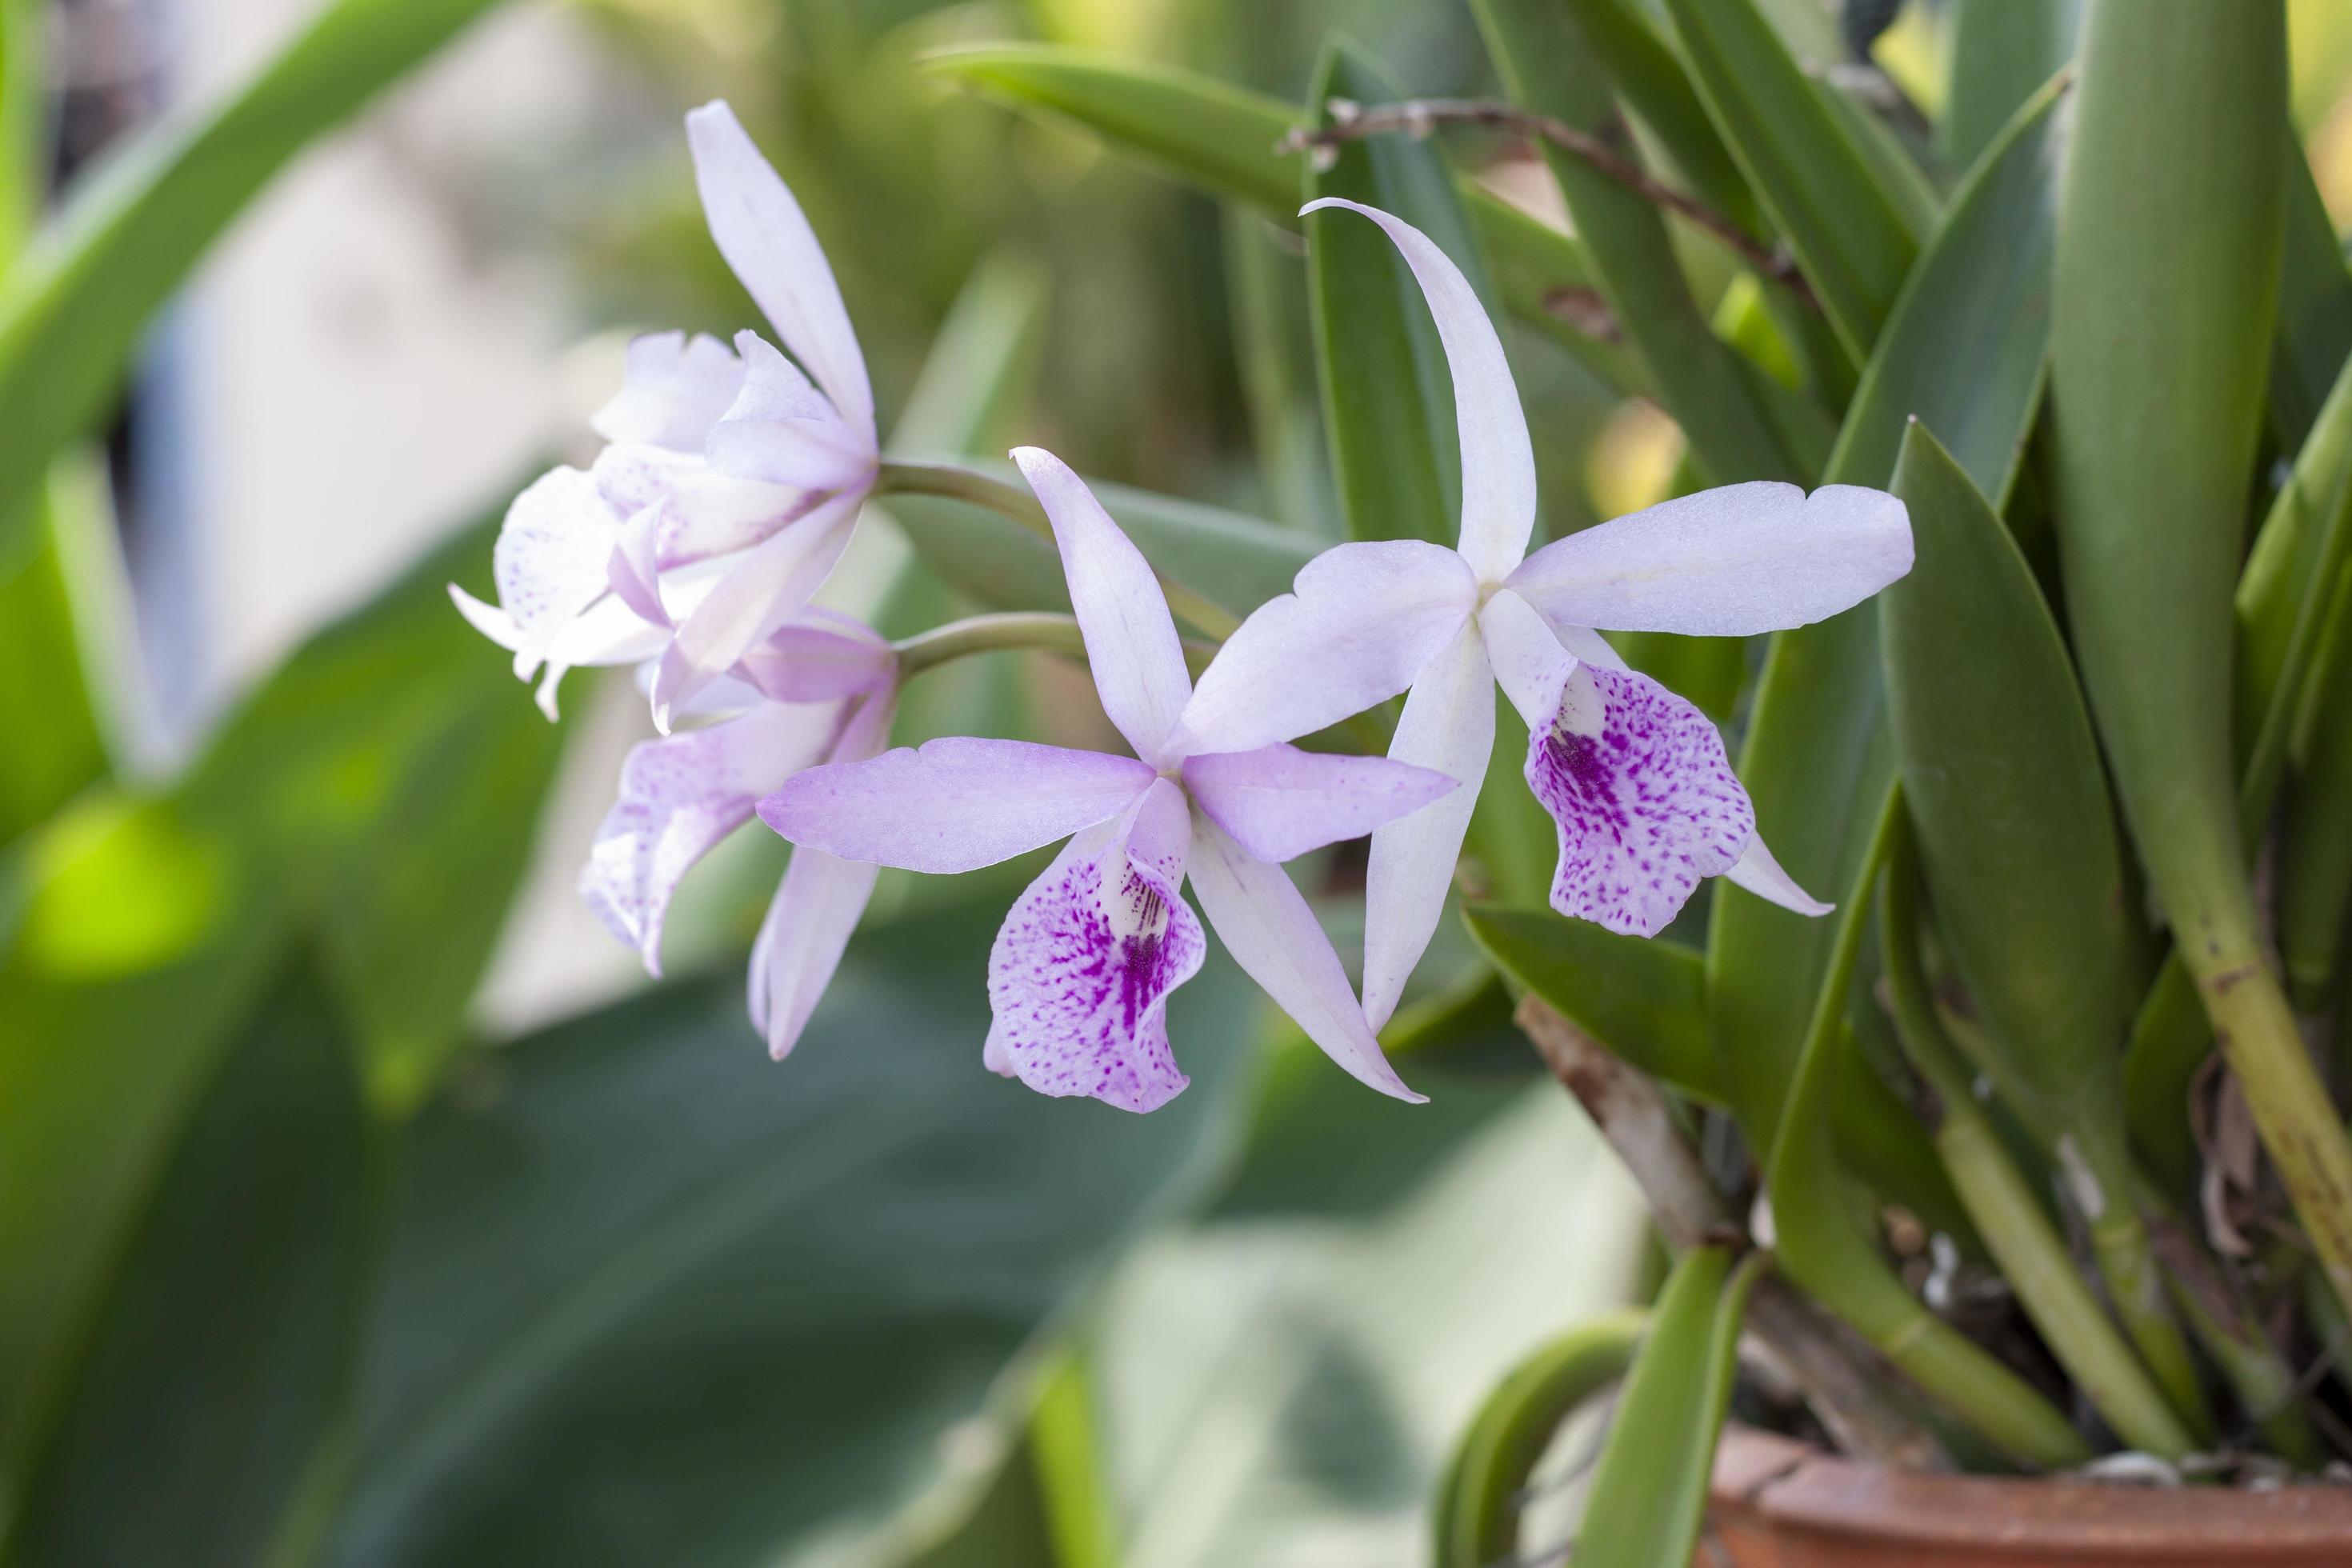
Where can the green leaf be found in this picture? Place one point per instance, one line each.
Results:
(1388, 396)
(2314, 308)
(1222, 140)
(1474, 1520)
(760, 1319)
(1274, 351)
(2000, 54)
(1539, 48)
(2284, 572)
(76, 306)
(1649, 1494)
(2314, 863)
(55, 746)
(1644, 1001)
(2001, 774)
(201, 1422)
(1848, 231)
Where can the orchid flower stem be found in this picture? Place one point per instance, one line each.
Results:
(2033, 1256)
(900, 477)
(1042, 629)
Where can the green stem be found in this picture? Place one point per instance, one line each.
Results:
(899, 476)
(1046, 629)
(2033, 1256)
(1820, 1248)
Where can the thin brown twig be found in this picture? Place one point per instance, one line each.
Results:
(1632, 1113)
(1351, 121)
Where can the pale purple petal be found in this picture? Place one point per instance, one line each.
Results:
(1531, 665)
(761, 232)
(1079, 978)
(815, 910)
(1362, 621)
(704, 512)
(1589, 646)
(1757, 871)
(1279, 801)
(549, 559)
(814, 657)
(633, 569)
(1499, 465)
(1448, 724)
(1743, 559)
(780, 431)
(955, 804)
(679, 796)
(487, 619)
(1644, 798)
(758, 594)
(1273, 935)
(673, 392)
(1131, 643)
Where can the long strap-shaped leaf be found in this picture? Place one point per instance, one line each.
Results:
(1222, 138)
(72, 311)
(1649, 1494)
(1849, 229)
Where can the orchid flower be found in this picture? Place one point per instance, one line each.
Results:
(1084, 964)
(730, 480)
(1635, 777)
(823, 689)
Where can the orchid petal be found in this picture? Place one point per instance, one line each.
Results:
(815, 910)
(681, 795)
(1530, 663)
(1588, 647)
(1279, 801)
(1079, 978)
(808, 661)
(674, 390)
(1448, 724)
(1731, 562)
(955, 804)
(1499, 464)
(1273, 935)
(780, 431)
(1757, 871)
(1361, 622)
(549, 559)
(487, 619)
(758, 594)
(704, 512)
(633, 569)
(1131, 643)
(766, 239)
(1644, 796)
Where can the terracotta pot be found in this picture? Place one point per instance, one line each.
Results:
(1779, 1504)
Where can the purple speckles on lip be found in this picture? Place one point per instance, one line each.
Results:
(1644, 796)
(1082, 970)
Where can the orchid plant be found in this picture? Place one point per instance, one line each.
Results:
(1939, 1043)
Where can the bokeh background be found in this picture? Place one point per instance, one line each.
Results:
(360, 1200)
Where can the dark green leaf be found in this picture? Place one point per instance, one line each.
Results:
(2000, 53)
(74, 309)
(759, 1319)
(1388, 396)
(2314, 308)
(55, 747)
(198, 1427)
(1644, 1001)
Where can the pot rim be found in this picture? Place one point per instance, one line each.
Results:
(1795, 1485)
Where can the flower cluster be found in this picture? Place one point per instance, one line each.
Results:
(694, 543)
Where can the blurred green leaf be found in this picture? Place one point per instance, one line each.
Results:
(2314, 862)
(1644, 1001)
(1388, 396)
(758, 1321)
(201, 1423)
(1848, 232)
(2282, 571)
(1476, 1518)
(2314, 307)
(391, 760)
(73, 308)
(1222, 138)
(1649, 1495)
(54, 746)
(1273, 349)
(2000, 53)
(1539, 48)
